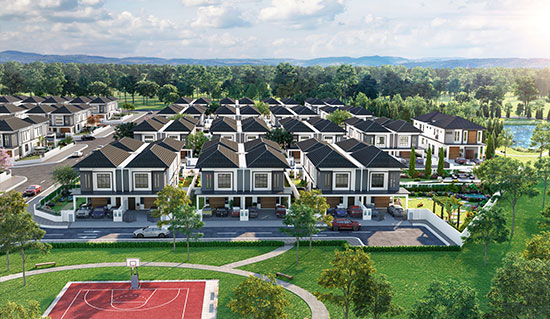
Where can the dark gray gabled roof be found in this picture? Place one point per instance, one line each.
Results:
(41, 109)
(195, 110)
(370, 126)
(80, 100)
(310, 145)
(401, 126)
(328, 109)
(280, 110)
(11, 108)
(325, 126)
(232, 145)
(33, 99)
(351, 145)
(289, 101)
(254, 124)
(327, 157)
(226, 110)
(100, 100)
(333, 101)
(227, 100)
(151, 125)
(171, 144)
(353, 120)
(356, 110)
(224, 124)
(445, 121)
(154, 156)
(202, 101)
(9, 99)
(67, 109)
(246, 101)
(373, 157)
(271, 101)
(54, 100)
(35, 119)
(12, 123)
(184, 100)
(265, 157)
(250, 145)
(180, 125)
(249, 110)
(295, 126)
(128, 144)
(302, 110)
(171, 110)
(107, 157)
(218, 156)
(314, 101)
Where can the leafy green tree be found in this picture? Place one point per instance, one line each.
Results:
(10, 203)
(526, 90)
(428, 165)
(520, 289)
(412, 163)
(128, 106)
(280, 136)
(64, 175)
(300, 221)
(99, 88)
(284, 80)
(490, 150)
(12, 310)
(339, 116)
(259, 299)
(262, 107)
(350, 277)
(538, 247)
(508, 107)
(315, 199)
(346, 79)
(124, 130)
(542, 171)
(54, 79)
(541, 137)
(505, 139)
(167, 93)
(12, 77)
(441, 162)
(489, 226)
(377, 300)
(195, 141)
(147, 89)
(447, 300)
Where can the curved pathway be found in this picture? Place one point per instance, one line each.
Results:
(522, 155)
(318, 309)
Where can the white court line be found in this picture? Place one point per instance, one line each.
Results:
(69, 307)
(132, 309)
(146, 301)
(185, 303)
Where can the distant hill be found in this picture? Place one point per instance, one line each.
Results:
(26, 57)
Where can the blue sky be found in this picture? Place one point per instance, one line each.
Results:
(278, 28)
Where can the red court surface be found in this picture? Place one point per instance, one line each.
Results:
(115, 300)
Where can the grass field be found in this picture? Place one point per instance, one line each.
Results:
(140, 104)
(411, 272)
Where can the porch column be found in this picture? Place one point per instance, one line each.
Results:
(198, 202)
(74, 203)
(243, 202)
(406, 203)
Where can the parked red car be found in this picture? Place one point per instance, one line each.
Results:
(355, 211)
(280, 211)
(344, 223)
(32, 190)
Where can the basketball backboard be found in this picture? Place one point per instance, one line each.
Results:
(132, 262)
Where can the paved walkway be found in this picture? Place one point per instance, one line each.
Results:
(318, 309)
(12, 183)
(58, 158)
(279, 251)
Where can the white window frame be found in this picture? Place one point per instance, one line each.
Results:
(148, 138)
(96, 185)
(377, 140)
(479, 136)
(176, 136)
(57, 120)
(216, 183)
(341, 173)
(403, 141)
(385, 184)
(268, 180)
(457, 136)
(149, 181)
(329, 139)
(465, 136)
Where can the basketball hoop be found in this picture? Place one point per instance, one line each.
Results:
(133, 263)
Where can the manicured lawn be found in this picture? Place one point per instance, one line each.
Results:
(411, 272)
(59, 206)
(140, 104)
(30, 157)
(199, 255)
(511, 152)
(44, 288)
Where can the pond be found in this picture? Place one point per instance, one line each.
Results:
(522, 134)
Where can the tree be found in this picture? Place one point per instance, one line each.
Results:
(412, 163)
(64, 175)
(489, 226)
(520, 289)
(9, 203)
(508, 109)
(6, 161)
(128, 106)
(99, 88)
(124, 130)
(147, 89)
(175, 211)
(12, 77)
(54, 79)
(196, 140)
(18, 229)
(441, 162)
(300, 221)
(526, 90)
(505, 139)
(375, 301)
(315, 199)
(166, 93)
(428, 165)
(339, 116)
(541, 137)
(262, 107)
(447, 300)
(259, 299)
(538, 247)
(490, 150)
(280, 136)
(351, 273)
(12, 310)
(542, 171)
(284, 80)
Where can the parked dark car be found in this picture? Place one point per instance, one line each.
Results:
(98, 212)
(221, 212)
(461, 160)
(396, 211)
(280, 211)
(338, 212)
(355, 211)
(253, 212)
(344, 223)
(87, 138)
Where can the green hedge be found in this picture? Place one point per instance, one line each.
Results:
(409, 248)
(164, 244)
(339, 243)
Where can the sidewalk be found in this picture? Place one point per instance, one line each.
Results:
(12, 183)
(59, 157)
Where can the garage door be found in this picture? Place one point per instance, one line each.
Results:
(454, 152)
(268, 202)
(216, 202)
(333, 201)
(405, 154)
(470, 154)
(149, 202)
(381, 202)
(99, 201)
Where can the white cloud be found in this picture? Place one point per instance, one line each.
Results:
(198, 3)
(219, 17)
(301, 12)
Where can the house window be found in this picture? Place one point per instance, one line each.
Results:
(381, 140)
(103, 181)
(329, 139)
(465, 136)
(260, 180)
(59, 120)
(479, 136)
(341, 180)
(224, 180)
(141, 180)
(377, 181)
(148, 138)
(457, 136)
(403, 141)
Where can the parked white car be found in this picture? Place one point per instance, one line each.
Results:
(77, 154)
(151, 231)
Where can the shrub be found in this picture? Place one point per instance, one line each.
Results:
(167, 244)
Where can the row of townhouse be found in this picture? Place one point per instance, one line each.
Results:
(245, 130)
(314, 127)
(20, 136)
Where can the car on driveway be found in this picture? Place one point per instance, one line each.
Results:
(77, 154)
(355, 211)
(396, 211)
(84, 211)
(87, 138)
(32, 190)
(344, 223)
(151, 231)
(221, 212)
(98, 212)
(206, 211)
(253, 212)
(461, 160)
(280, 211)
(338, 212)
